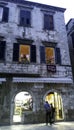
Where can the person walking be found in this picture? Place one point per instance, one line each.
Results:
(48, 112)
(52, 113)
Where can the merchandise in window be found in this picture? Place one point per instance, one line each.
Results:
(50, 59)
(24, 53)
(50, 55)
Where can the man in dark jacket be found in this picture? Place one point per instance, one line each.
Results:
(48, 112)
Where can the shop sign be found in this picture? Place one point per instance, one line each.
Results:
(51, 68)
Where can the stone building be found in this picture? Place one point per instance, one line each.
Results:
(34, 59)
(70, 33)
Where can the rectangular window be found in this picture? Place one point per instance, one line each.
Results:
(4, 13)
(25, 18)
(48, 22)
(50, 56)
(24, 53)
(1, 12)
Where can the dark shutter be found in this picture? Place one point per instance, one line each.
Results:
(33, 53)
(5, 14)
(57, 56)
(2, 50)
(42, 54)
(48, 22)
(15, 52)
(22, 17)
(51, 24)
(28, 18)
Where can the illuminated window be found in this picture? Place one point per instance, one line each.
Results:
(50, 55)
(24, 55)
(50, 58)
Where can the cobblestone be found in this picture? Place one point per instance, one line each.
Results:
(56, 126)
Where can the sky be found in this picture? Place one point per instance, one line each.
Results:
(68, 4)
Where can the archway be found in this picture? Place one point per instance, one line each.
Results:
(22, 103)
(56, 100)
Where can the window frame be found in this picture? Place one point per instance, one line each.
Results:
(24, 10)
(4, 14)
(24, 61)
(48, 14)
(53, 55)
(16, 52)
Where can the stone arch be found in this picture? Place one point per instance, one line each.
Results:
(16, 91)
(54, 96)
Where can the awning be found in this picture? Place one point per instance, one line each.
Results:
(43, 80)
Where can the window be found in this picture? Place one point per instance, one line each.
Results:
(49, 52)
(50, 55)
(2, 50)
(24, 53)
(48, 22)
(4, 13)
(25, 18)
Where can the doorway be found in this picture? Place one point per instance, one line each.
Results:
(22, 103)
(56, 101)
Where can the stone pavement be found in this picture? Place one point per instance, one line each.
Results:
(56, 126)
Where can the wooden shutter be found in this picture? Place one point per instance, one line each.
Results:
(57, 56)
(25, 18)
(22, 17)
(46, 21)
(42, 54)
(2, 50)
(15, 52)
(5, 14)
(33, 53)
(51, 24)
(28, 18)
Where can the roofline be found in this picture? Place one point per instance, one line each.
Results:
(69, 21)
(35, 4)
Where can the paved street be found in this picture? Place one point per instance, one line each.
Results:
(56, 126)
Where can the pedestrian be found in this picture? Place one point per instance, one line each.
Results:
(52, 113)
(48, 112)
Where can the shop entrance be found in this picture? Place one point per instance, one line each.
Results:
(56, 101)
(22, 103)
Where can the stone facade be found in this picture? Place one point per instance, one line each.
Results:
(35, 78)
(70, 33)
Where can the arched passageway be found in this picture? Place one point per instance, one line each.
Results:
(56, 100)
(22, 103)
